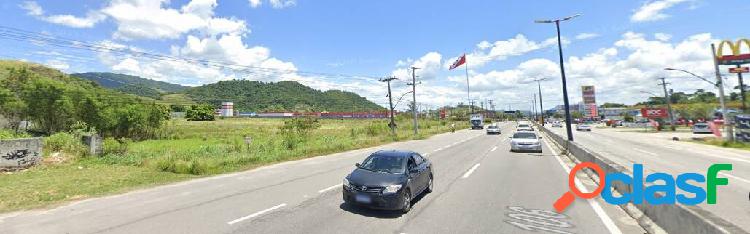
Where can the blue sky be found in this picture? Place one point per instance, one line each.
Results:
(619, 46)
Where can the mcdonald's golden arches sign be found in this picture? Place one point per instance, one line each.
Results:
(736, 57)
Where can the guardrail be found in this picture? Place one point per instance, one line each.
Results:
(675, 218)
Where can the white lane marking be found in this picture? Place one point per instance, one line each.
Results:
(645, 152)
(594, 204)
(468, 173)
(256, 214)
(329, 188)
(493, 149)
(734, 177)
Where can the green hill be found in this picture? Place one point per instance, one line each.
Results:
(279, 96)
(131, 84)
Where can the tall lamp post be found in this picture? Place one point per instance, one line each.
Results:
(720, 85)
(562, 71)
(541, 106)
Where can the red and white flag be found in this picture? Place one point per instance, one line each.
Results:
(458, 62)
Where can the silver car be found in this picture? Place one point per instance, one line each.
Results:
(493, 129)
(701, 128)
(525, 141)
(524, 127)
(583, 127)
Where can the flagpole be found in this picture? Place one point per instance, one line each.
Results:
(468, 90)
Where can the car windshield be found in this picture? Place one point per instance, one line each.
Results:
(524, 135)
(493, 127)
(523, 126)
(384, 163)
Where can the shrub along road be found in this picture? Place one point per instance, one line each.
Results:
(504, 194)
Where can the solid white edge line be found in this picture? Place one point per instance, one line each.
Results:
(256, 214)
(468, 173)
(329, 188)
(611, 226)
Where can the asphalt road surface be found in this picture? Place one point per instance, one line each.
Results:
(659, 153)
(480, 187)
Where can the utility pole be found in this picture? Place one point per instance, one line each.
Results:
(668, 102)
(492, 108)
(541, 106)
(414, 97)
(720, 84)
(392, 124)
(742, 91)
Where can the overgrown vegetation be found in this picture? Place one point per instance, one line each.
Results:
(187, 149)
(54, 102)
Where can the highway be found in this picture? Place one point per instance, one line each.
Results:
(480, 187)
(659, 153)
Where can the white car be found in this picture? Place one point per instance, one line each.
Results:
(557, 124)
(525, 141)
(493, 129)
(702, 128)
(524, 127)
(583, 127)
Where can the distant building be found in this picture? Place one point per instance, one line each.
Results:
(227, 109)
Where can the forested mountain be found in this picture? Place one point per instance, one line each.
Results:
(131, 84)
(279, 96)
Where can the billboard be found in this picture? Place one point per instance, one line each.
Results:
(652, 113)
(589, 101)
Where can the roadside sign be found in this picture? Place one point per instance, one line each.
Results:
(739, 70)
(654, 113)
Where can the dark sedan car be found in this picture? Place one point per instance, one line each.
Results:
(388, 180)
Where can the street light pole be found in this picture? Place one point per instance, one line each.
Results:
(541, 106)
(568, 119)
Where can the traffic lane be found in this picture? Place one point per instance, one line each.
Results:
(509, 193)
(221, 196)
(732, 199)
(328, 214)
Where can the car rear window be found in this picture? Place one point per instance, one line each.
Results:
(524, 135)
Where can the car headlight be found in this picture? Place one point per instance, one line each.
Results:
(391, 188)
(346, 183)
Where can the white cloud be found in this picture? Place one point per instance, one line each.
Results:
(154, 21)
(429, 66)
(57, 64)
(255, 3)
(501, 50)
(92, 17)
(32, 8)
(278, 4)
(662, 36)
(653, 10)
(584, 36)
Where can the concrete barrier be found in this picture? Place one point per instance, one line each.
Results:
(20, 153)
(675, 218)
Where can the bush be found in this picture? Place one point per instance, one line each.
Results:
(65, 142)
(8, 134)
(202, 112)
(115, 147)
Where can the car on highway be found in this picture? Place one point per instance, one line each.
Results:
(525, 141)
(557, 124)
(524, 127)
(493, 129)
(702, 128)
(388, 180)
(583, 127)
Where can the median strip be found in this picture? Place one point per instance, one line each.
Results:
(256, 214)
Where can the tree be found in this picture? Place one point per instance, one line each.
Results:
(201, 112)
(613, 105)
(576, 114)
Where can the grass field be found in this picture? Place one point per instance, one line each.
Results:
(190, 150)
